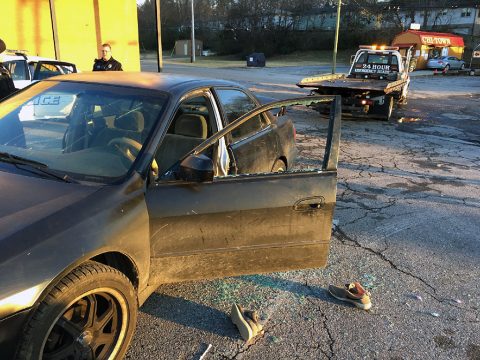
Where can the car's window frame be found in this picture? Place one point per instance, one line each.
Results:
(265, 120)
(25, 66)
(220, 153)
(333, 135)
(57, 64)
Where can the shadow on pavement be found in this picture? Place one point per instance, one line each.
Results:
(190, 314)
(295, 287)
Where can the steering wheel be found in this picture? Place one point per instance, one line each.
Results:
(130, 149)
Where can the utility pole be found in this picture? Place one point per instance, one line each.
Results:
(159, 36)
(335, 45)
(192, 58)
(53, 18)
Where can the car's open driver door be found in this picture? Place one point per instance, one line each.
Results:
(245, 224)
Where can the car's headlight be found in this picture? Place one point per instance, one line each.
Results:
(19, 300)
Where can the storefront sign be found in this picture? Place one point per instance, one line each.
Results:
(434, 40)
(476, 54)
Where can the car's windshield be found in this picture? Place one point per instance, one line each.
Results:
(90, 132)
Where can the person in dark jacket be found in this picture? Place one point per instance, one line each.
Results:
(6, 83)
(107, 62)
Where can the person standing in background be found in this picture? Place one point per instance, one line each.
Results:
(6, 83)
(107, 62)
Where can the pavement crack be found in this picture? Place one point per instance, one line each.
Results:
(331, 340)
(343, 238)
(251, 343)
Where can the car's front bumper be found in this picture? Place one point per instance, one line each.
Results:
(11, 329)
(438, 67)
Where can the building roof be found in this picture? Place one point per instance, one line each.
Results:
(431, 38)
(433, 4)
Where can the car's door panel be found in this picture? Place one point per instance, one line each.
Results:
(245, 224)
(256, 152)
(189, 222)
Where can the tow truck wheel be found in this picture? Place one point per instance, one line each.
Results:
(388, 107)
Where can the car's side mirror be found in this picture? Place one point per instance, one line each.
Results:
(197, 168)
(281, 111)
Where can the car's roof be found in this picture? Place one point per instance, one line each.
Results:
(144, 80)
(8, 57)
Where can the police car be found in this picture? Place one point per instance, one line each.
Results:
(28, 69)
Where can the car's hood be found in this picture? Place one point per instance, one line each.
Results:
(20, 84)
(26, 200)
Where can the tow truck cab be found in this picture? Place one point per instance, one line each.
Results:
(382, 63)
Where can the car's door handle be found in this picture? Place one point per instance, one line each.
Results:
(309, 204)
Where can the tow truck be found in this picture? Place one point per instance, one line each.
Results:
(474, 68)
(378, 78)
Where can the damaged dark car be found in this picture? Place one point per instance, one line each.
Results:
(111, 186)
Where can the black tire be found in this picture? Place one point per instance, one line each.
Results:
(90, 314)
(447, 67)
(388, 107)
(279, 166)
(384, 111)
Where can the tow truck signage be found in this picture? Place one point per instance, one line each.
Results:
(373, 68)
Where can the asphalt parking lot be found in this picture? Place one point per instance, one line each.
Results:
(407, 226)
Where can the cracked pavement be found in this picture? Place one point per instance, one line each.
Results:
(407, 227)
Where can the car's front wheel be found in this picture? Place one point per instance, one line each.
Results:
(90, 314)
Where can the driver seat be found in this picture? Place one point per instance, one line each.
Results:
(190, 131)
(129, 125)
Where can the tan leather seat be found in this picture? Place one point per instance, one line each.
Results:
(192, 125)
(129, 125)
(190, 131)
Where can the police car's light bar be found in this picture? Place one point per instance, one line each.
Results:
(378, 47)
(15, 52)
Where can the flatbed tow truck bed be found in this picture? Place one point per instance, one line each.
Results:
(342, 82)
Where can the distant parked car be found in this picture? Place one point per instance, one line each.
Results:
(208, 52)
(446, 63)
(27, 69)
